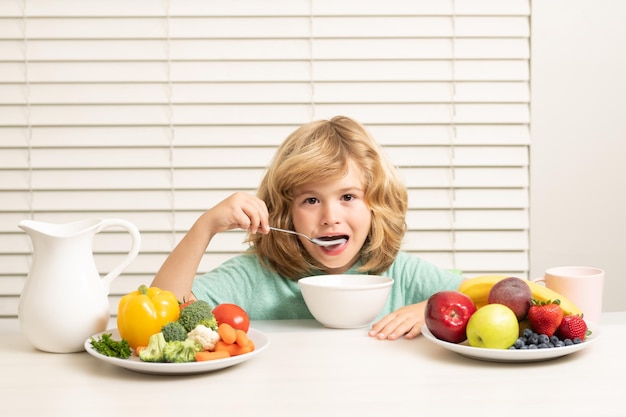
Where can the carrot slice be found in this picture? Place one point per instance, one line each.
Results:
(207, 355)
(242, 338)
(233, 349)
(227, 333)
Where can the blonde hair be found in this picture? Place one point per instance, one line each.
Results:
(321, 151)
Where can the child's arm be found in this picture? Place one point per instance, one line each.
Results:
(240, 210)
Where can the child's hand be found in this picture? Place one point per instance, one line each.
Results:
(405, 321)
(239, 211)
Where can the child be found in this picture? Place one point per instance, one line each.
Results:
(328, 179)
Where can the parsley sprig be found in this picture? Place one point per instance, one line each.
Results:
(109, 347)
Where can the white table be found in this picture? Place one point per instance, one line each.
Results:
(311, 371)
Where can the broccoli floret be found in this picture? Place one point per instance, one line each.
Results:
(181, 351)
(195, 313)
(154, 351)
(210, 323)
(174, 331)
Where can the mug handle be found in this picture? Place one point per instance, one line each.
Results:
(539, 280)
(134, 249)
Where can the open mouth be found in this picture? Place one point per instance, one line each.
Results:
(336, 237)
(332, 243)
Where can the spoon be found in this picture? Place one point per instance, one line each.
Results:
(318, 242)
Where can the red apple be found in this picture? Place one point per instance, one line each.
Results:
(447, 314)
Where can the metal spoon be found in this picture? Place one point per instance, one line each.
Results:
(318, 242)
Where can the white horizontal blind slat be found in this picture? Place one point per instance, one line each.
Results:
(101, 115)
(247, 93)
(253, 135)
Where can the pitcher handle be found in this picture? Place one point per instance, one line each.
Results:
(134, 250)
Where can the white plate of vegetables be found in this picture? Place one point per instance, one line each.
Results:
(133, 362)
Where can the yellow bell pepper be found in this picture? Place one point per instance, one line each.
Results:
(142, 313)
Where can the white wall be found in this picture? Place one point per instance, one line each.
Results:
(578, 151)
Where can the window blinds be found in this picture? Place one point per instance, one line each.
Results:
(153, 111)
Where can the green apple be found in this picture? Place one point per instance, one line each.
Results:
(493, 326)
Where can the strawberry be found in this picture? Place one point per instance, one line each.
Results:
(545, 316)
(571, 327)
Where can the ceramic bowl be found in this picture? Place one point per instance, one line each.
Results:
(345, 301)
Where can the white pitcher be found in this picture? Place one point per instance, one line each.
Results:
(65, 300)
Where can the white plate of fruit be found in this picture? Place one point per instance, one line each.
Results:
(507, 319)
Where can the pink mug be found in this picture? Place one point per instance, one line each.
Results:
(581, 284)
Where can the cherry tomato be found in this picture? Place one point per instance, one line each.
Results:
(185, 304)
(233, 315)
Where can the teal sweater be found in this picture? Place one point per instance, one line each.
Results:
(265, 295)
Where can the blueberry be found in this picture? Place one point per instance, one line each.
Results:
(559, 343)
(527, 332)
(577, 340)
(519, 343)
(533, 339)
(543, 338)
(568, 342)
(532, 346)
(512, 348)
(542, 346)
(554, 339)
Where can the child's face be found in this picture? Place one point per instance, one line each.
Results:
(334, 208)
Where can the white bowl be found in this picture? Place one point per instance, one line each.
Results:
(345, 301)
